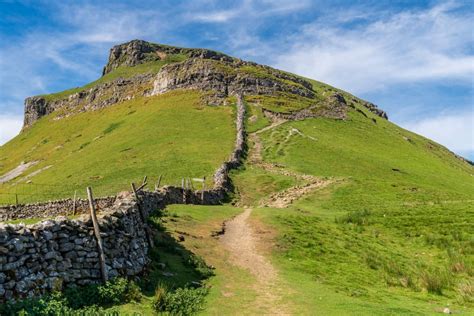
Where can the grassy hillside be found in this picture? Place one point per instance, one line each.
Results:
(173, 135)
(390, 234)
(393, 236)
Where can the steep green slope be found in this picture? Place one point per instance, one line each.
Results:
(394, 233)
(173, 135)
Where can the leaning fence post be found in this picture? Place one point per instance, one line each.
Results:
(203, 188)
(16, 199)
(159, 180)
(100, 246)
(143, 217)
(158, 183)
(74, 203)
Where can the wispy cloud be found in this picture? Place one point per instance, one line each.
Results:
(245, 10)
(456, 131)
(404, 47)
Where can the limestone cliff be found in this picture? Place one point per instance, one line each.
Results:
(201, 69)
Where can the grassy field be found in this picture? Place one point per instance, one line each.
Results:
(173, 135)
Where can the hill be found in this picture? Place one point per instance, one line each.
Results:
(341, 211)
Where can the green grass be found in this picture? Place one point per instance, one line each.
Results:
(198, 223)
(394, 237)
(173, 135)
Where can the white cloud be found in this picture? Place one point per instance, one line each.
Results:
(455, 131)
(10, 126)
(405, 47)
(245, 10)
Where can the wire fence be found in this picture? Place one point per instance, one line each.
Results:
(37, 192)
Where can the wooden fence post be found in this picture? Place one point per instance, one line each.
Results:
(74, 203)
(203, 188)
(100, 246)
(159, 180)
(184, 190)
(16, 199)
(142, 216)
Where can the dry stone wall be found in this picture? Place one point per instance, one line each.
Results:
(59, 253)
(52, 208)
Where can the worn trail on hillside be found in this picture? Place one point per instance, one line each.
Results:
(306, 183)
(245, 246)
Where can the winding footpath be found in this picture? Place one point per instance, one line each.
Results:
(244, 244)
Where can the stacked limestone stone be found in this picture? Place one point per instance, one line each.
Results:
(61, 252)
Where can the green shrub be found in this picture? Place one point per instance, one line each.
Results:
(182, 302)
(160, 297)
(76, 301)
(200, 266)
(113, 291)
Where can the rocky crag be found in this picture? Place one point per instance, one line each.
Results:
(202, 69)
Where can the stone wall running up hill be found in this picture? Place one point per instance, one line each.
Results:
(51, 208)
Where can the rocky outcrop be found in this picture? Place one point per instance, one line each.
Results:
(227, 78)
(202, 69)
(137, 52)
(374, 109)
(94, 98)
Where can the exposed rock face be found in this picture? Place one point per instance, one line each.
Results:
(374, 109)
(226, 78)
(137, 51)
(204, 69)
(97, 97)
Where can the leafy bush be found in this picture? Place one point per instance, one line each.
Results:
(200, 266)
(182, 302)
(76, 301)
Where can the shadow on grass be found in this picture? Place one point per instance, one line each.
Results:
(172, 265)
(173, 280)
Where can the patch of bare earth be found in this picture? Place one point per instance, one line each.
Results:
(245, 248)
(12, 174)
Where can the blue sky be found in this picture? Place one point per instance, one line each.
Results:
(415, 59)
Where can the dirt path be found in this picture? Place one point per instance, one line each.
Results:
(306, 183)
(245, 247)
